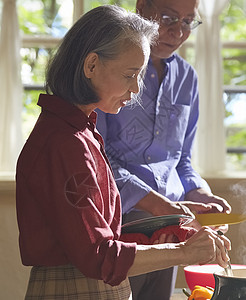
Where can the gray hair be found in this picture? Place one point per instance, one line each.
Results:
(105, 30)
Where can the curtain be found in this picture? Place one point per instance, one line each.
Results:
(10, 88)
(210, 149)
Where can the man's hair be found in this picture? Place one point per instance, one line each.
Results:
(105, 30)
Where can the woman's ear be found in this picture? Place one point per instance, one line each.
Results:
(90, 64)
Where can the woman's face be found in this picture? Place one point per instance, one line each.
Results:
(115, 80)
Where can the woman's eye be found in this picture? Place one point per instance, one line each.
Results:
(131, 76)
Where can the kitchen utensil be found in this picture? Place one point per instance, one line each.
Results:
(228, 269)
(230, 288)
(149, 225)
(217, 219)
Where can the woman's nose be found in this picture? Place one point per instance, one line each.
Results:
(134, 88)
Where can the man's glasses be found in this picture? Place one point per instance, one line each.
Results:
(186, 23)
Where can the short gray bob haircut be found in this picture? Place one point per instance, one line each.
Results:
(104, 30)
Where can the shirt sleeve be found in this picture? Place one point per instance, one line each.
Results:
(131, 188)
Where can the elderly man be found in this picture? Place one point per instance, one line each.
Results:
(149, 145)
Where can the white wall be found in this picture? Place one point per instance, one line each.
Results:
(13, 275)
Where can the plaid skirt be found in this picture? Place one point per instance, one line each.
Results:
(68, 283)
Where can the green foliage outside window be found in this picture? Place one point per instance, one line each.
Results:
(128, 4)
(30, 110)
(233, 23)
(36, 18)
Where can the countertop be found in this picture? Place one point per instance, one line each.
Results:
(178, 295)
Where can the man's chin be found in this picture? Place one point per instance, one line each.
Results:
(162, 54)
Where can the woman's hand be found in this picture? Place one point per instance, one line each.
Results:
(206, 246)
(203, 247)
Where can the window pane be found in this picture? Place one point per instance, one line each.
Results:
(234, 66)
(30, 111)
(45, 17)
(39, 18)
(128, 4)
(233, 23)
(34, 61)
(235, 123)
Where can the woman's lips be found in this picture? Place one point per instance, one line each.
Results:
(124, 102)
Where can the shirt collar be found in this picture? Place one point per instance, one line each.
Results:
(169, 59)
(67, 111)
(166, 60)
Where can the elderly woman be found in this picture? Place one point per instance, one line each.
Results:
(68, 205)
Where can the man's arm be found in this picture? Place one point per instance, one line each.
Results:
(135, 193)
(130, 186)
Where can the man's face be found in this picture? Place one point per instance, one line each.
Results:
(173, 36)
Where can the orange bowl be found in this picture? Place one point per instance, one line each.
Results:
(203, 275)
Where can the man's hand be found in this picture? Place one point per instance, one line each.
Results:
(216, 204)
(199, 201)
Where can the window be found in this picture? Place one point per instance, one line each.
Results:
(44, 22)
(235, 124)
(233, 36)
(234, 57)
